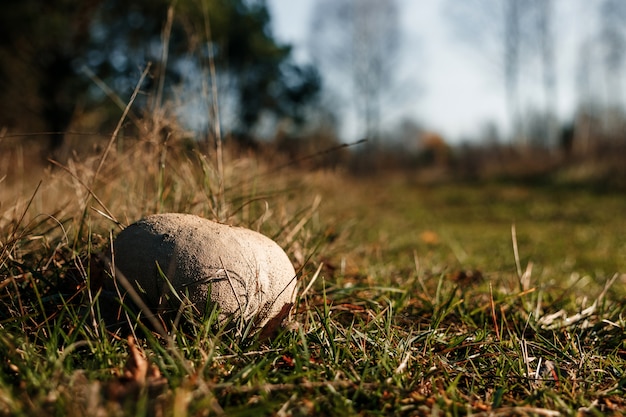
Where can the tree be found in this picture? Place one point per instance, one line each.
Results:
(612, 39)
(116, 39)
(38, 43)
(359, 38)
(541, 45)
(601, 68)
(511, 33)
(512, 14)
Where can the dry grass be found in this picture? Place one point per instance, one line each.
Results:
(412, 299)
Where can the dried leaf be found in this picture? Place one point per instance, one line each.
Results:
(136, 368)
(137, 374)
(272, 326)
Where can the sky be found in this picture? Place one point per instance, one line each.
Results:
(447, 85)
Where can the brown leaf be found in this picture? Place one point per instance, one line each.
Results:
(285, 362)
(138, 373)
(273, 325)
(429, 237)
(136, 368)
(466, 278)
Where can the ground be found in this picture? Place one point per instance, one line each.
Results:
(482, 298)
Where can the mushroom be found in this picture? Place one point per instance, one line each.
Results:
(174, 258)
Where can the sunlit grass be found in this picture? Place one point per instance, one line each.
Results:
(412, 298)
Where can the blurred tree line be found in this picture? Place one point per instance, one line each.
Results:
(524, 39)
(357, 42)
(58, 57)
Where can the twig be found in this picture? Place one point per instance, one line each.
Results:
(215, 111)
(516, 252)
(313, 279)
(297, 160)
(90, 191)
(232, 287)
(106, 153)
(52, 133)
(118, 277)
(315, 155)
(109, 92)
(304, 220)
(516, 411)
(560, 319)
(419, 277)
(30, 201)
(120, 123)
(493, 312)
(165, 40)
(306, 385)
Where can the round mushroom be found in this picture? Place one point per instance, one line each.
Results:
(169, 258)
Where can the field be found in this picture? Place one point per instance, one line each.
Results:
(490, 298)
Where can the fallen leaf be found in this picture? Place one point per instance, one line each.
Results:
(429, 237)
(138, 374)
(274, 324)
(465, 278)
(136, 368)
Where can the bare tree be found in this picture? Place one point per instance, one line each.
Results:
(545, 23)
(612, 37)
(508, 32)
(512, 38)
(602, 66)
(359, 38)
(542, 45)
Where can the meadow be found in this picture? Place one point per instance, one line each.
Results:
(461, 298)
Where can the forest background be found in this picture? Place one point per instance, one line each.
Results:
(69, 70)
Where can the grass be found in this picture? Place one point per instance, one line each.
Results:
(412, 301)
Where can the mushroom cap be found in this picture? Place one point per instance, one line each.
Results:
(243, 273)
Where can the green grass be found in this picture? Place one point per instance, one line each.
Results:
(419, 304)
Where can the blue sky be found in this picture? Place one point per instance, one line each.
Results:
(447, 85)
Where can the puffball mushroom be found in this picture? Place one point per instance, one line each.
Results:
(243, 273)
